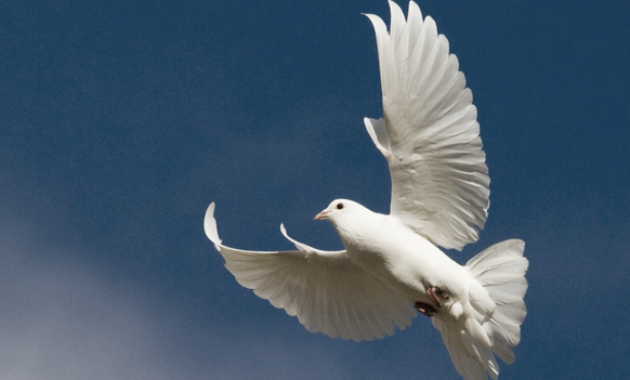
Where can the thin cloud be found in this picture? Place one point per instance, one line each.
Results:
(63, 321)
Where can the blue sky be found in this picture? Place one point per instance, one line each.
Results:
(121, 121)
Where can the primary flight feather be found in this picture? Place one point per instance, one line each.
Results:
(430, 137)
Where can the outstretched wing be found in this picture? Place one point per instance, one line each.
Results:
(325, 290)
(429, 134)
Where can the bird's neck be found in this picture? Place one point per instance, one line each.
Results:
(361, 234)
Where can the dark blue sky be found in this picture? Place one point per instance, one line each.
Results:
(121, 121)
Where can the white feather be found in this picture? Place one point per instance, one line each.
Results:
(326, 290)
(430, 138)
(439, 176)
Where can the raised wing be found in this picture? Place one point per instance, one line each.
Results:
(429, 134)
(325, 290)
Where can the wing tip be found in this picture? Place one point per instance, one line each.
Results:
(396, 14)
(377, 23)
(210, 227)
(300, 246)
(378, 132)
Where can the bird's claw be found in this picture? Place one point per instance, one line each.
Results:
(425, 309)
(437, 295)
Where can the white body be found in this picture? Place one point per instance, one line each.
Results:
(362, 292)
(402, 259)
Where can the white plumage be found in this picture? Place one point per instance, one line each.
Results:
(430, 138)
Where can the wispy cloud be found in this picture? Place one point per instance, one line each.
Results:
(62, 320)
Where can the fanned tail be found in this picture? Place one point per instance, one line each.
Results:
(492, 322)
(501, 269)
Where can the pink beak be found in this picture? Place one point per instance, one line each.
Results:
(321, 215)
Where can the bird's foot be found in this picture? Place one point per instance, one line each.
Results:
(424, 308)
(437, 295)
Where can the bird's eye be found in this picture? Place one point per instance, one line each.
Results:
(339, 206)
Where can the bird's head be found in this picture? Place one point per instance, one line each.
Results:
(354, 223)
(339, 210)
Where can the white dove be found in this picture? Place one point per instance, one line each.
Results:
(430, 138)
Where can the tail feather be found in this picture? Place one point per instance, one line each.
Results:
(502, 338)
(472, 359)
(500, 270)
(496, 305)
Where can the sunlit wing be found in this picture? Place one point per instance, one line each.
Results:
(324, 289)
(429, 134)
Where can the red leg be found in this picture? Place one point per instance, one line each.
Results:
(437, 295)
(424, 308)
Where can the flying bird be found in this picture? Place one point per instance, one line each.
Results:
(391, 266)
